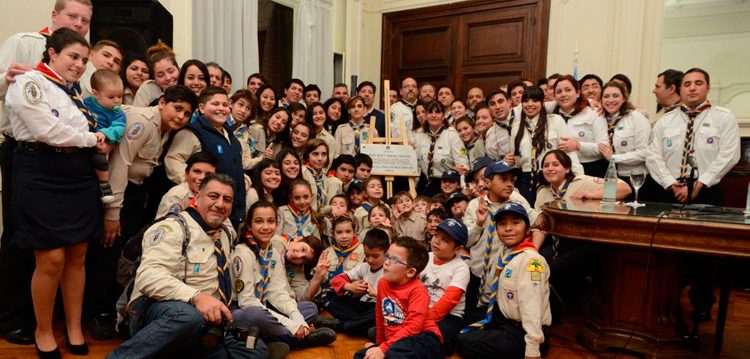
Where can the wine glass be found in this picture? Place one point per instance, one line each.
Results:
(636, 179)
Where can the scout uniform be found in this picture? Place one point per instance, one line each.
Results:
(715, 145)
(629, 137)
(333, 148)
(580, 183)
(439, 152)
(411, 225)
(147, 93)
(351, 136)
(402, 110)
(176, 200)
(138, 153)
(164, 274)
(519, 305)
(295, 224)
(590, 129)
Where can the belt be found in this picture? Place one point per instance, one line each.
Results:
(43, 147)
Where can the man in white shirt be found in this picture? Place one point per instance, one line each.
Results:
(19, 54)
(404, 109)
(667, 92)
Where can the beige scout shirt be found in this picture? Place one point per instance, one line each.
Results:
(162, 273)
(523, 296)
(246, 273)
(412, 225)
(137, 154)
(581, 183)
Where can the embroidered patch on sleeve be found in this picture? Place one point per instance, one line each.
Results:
(135, 131)
(32, 92)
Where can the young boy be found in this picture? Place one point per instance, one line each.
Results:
(356, 289)
(340, 175)
(409, 223)
(456, 205)
(181, 196)
(483, 242)
(434, 218)
(421, 203)
(363, 166)
(446, 278)
(104, 105)
(519, 309)
(404, 326)
(355, 194)
(450, 182)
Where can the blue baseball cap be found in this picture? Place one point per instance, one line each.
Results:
(456, 230)
(477, 165)
(512, 207)
(500, 167)
(450, 175)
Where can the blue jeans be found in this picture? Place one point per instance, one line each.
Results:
(172, 329)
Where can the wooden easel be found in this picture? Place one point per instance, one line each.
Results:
(387, 139)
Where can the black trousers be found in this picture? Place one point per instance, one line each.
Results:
(425, 345)
(16, 264)
(356, 316)
(102, 290)
(501, 338)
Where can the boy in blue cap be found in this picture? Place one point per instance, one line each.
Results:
(450, 182)
(518, 313)
(446, 277)
(483, 243)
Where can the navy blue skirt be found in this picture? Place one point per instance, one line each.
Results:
(55, 200)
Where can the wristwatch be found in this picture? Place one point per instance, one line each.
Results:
(191, 301)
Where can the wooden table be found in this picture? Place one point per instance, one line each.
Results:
(643, 250)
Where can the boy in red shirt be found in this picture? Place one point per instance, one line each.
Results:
(404, 327)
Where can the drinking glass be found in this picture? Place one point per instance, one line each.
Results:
(636, 179)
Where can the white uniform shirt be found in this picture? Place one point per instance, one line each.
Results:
(449, 151)
(497, 142)
(363, 272)
(716, 146)
(556, 128)
(437, 278)
(630, 140)
(40, 111)
(399, 112)
(21, 48)
(590, 129)
(85, 80)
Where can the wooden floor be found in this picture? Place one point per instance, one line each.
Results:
(736, 340)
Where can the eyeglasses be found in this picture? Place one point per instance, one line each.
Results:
(394, 260)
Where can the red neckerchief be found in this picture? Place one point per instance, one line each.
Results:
(74, 91)
(45, 32)
(527, 243)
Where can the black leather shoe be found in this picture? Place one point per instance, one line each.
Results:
(76, 349)
(55, 354)
(322, 321)
(318, 338)
(102, 326)
(20, 336)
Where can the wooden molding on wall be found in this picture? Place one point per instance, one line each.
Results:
(482, 43)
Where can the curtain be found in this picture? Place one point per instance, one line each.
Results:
(226, 32)
(312, 45)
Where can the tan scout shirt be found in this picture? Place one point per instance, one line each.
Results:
(176, 200)
(162, 273)
(412, 225)
(137, 154)
(246, 272)
(523, 296)
(581, 183)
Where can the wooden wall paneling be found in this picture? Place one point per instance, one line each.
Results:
(473, 43)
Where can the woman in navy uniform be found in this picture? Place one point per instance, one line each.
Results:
(55, 199)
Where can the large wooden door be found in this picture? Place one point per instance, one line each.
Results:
(473, 43)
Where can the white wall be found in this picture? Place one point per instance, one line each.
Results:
(35, 16)
(716, 37)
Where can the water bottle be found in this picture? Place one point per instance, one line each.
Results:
(610, 183)
(747, 201)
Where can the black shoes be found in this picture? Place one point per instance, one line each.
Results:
(318, 338)
(102, 326)
(322, 321)
(76, 349)
(55, 354)
(277, 350)
(20, 336)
